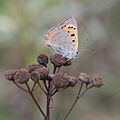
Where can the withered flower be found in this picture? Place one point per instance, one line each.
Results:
(58, 60)
(72, 81)
(34, 67)
(97, 81)
(63, 81)
(42, 59)
(21, 76)
(9, 75)
(67, 63)
(84, 77)
(40, 74)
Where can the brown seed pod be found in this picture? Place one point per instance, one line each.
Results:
(58, 60)
(21, 76)
(40, 74)
(34, 67)
(9, 75)
(42, 59)
(97, 81)
(84, 77)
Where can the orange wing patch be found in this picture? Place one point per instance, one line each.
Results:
(72, 30)
(49, 37)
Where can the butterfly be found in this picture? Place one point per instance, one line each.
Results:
(63, 38)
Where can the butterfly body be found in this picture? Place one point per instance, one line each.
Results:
(63, 38)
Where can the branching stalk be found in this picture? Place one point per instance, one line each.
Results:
(35, 101)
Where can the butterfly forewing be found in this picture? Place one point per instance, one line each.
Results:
(63, 38)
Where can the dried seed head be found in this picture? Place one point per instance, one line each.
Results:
(63, 81)
(60, 80)
(67, 63)
(34, 67)
(40, 74)
(97, 81)
(21, 76)
(9, 75)
(84, 77)
(58, 60)
(72, 81)
(42, 59)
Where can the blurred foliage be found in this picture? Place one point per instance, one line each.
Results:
(23, 24)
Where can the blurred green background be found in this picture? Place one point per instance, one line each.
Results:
(23, 24)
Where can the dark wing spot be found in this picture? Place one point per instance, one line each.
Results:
(73, 40)
(64, 25)
(72, 35)
(69, 27)
(74, 28)
(68, 31)
(77, 52)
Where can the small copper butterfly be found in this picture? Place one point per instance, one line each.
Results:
(63, 38)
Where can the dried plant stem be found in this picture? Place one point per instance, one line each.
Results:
(74, 103)
(49, 95)
(35, 101)
(20, 87)
(45, 85)
(33, 86)
(79, 95)
(48, 102)
(54, 69)
(54, 91)
(41, 88)
(58, 69)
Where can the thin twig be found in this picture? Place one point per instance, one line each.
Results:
(20, 87)
(51, 82)
(55, 91)
(54, 69)
(35, 101)
(58, 70)
(85, 91)
(48, 102)
(33, 86)
(44, 81)
(42, 88)
(79, 95)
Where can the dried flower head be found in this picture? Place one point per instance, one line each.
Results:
(72, 81)
(63, 81)
(21, 76)
(34, 67)
(40, 74)
(58, 60)
(42, 59)
(67, 63)
(9, 75)
(97, 81)
(84, 77)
